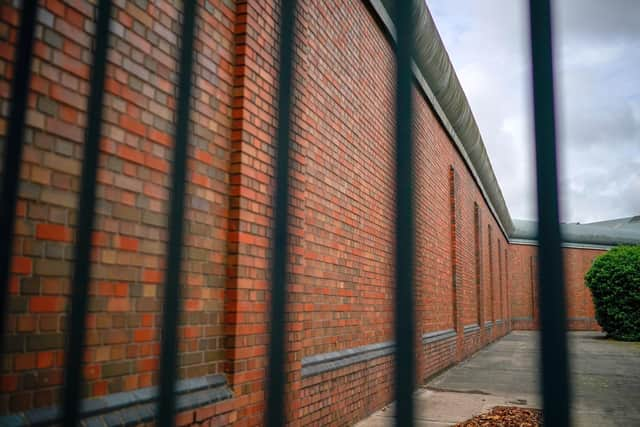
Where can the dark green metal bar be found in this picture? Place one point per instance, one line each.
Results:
(555, 377)
(171, 313)
(275, 415)
(82, 265)
(405, 227)
(13, 153)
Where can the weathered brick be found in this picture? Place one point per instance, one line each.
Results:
(133, 126)
(45, 17)
(57, 250)
(115, 369)
(58, 197)
(46, 267)
(126, 243)
(64, 147)
(125, 212)
(40, 175)
(61, 164)
(53, 232)
(29, 191)
(21, 265)
(52, 38)
(18, 304)
(153, 218)
(66, 96)
(47, 106)
(24, 362)
(47, 304)
(41, 342)
(30, 286)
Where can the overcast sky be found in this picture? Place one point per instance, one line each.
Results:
(597, 54)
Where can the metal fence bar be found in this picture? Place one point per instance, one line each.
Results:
(404, 227)
(554, 355)
(13, 153)
(555, 379)
(275, 415)
(171, 310)
(82, 266)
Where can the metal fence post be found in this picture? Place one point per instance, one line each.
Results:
(555, 377)
(404, 225)
(13, 151)
(166, 411)
(82, 251)
(275, 414)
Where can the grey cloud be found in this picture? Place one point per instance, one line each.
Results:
(594, 20)
(597, 54)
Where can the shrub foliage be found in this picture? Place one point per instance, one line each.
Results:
(614, 280)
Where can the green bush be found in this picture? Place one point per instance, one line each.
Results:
(614, 280)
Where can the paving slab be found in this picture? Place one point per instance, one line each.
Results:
(605, 377)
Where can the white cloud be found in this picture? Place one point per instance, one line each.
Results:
(597, 52)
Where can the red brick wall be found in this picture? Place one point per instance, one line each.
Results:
(341, 212)
(250, 205)
(129, 244)
(349, 180)
(580, 308)
(524, 285)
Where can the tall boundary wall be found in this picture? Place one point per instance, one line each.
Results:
(474, 284)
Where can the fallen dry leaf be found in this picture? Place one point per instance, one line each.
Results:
(506, 416)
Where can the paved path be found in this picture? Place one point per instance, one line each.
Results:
(605, 375)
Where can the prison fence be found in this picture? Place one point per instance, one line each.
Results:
(554, 376)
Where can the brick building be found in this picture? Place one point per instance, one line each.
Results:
(475, 274)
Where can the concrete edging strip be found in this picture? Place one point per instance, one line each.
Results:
(470, 329)
(436, 336)
(129, 407)
(325, 362)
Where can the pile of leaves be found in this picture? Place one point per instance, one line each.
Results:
(506, 416)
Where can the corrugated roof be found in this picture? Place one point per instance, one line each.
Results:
(609, 234)
(631, 223)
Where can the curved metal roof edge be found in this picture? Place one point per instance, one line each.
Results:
(437, 79)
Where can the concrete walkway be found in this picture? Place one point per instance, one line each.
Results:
(605, 375)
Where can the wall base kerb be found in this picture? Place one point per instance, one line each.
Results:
(130, 407)
(317, 364)
(438, 336)
(470, 329)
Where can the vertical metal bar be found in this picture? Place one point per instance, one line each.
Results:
(500, 283)
(507, 286)
(491, 287)
(405, 229)
(555, 379)
(477, 231)
(275, 415)
(171, 313)
(532, 274)
(82, 250)
(13, 153)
